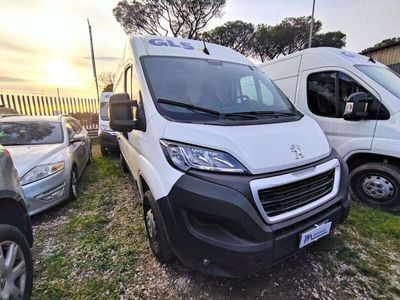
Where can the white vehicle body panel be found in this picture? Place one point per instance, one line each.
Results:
(347, 137)
(260, 148)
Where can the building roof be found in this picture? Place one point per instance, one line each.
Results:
(373, 49)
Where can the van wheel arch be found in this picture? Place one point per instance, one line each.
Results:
(143, 186)
(358, 159)
(14, 213)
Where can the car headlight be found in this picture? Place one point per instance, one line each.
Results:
(41, 172)
(185, 157)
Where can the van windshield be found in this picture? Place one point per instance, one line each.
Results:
(387, 78)
(202, 86)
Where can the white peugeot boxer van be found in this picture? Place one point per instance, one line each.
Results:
(232, 177)
(356, 101)
(107, 137)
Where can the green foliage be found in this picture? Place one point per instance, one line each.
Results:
(384, 43)
(181, 18)
(336, 39)
(236, 35)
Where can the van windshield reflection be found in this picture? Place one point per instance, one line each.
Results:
(213, 87)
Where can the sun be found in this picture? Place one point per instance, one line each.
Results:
(60, 73)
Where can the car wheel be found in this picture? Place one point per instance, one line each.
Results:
(73, 191)
(122, 163)
(104, 151)
(377, 185)
(16, 269)
(155, 229)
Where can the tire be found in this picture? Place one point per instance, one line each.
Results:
(10, 236)
(376, 185)
(155, 230)
(122, 163)
(104, 151)
(73, 186)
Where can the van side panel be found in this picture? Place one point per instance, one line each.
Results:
(288, 86)
(286, 75)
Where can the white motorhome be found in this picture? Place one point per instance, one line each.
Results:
(232, 176)
(107, 137)
(356, 101)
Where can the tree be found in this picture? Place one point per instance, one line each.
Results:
(265, 44)
(336, 39)
(106, 81)
(183, 18)
(236, 35)
(293, 33)
(386, 42)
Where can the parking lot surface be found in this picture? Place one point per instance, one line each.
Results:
(96, 247)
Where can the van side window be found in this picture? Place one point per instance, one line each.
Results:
(321, 94)
(128, 81)
(348, 86)
(327, 93)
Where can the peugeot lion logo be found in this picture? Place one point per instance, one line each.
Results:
(296, 149)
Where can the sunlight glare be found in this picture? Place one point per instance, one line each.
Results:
(60, 73)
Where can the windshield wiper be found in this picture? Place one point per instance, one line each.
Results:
(267, 113)
(190, 107)
(205, 110)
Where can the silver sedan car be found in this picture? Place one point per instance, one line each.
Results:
(50, 155)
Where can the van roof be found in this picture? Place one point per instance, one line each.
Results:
(325, 56)
(171, 46)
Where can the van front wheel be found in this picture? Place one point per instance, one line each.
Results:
(377, 185)
(155, 229)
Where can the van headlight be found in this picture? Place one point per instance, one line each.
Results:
(185, 157)
(41, 172)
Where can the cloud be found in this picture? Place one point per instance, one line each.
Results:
(12, 79)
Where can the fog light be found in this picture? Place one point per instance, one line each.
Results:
(52, 194)
(206, 263)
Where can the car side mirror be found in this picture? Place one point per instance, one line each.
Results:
(357, 106)
(77, 138)
(121, 113)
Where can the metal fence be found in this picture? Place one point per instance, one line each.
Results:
(83, 109)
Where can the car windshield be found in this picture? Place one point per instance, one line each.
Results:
(387, 78)
(219, 87)
(104, 111)
(30, 133)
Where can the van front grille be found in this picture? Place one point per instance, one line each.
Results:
(284, 198)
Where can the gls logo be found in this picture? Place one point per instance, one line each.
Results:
(170, 43)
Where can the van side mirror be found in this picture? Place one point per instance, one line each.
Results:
(357, 107)
(121, 113)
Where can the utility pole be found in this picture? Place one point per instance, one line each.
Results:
(93, 60)
(311, 26)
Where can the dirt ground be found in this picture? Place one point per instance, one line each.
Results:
(96, 248)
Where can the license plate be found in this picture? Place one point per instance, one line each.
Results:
(317, 232)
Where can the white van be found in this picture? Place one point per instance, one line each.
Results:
(232, 177)
(107, 137)
(356, 101)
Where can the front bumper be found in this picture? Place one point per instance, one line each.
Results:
(109, 140)
(215, 226)
(47, 192)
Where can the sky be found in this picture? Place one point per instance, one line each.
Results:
(44, 44)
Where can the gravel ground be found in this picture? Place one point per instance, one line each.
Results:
(96, 248)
